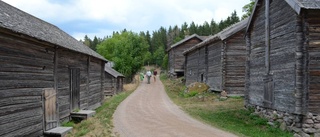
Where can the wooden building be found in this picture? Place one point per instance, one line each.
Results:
(45, 74)
(113, 81)
(283, 53)
(219, 60)
(176, 58)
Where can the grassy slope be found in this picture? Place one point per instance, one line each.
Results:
(227, 114)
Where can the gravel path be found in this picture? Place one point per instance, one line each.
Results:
(148, 112)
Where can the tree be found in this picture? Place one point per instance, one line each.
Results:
(127, 50)
(247, 9)
(87, 41)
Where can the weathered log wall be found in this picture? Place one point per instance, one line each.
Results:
(109, 84)
(96, 77)
(214, 76)
(176, 58)
(191, 72)
(26, 69)
(234, 64)
(282, 56)
(68, 59)
(202, 64)
(313, 21)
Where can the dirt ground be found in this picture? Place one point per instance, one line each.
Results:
(148, 112)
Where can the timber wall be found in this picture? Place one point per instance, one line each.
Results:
(282, 56)
(234, 64)
(190, 73)
(313, 35)
(26, 68)
(214, 76)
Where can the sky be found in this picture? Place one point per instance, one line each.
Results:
(101, 17)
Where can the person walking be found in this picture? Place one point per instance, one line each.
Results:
(154, 75)
(148, 76)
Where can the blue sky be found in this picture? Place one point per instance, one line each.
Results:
(101, 17)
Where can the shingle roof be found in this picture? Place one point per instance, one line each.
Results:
(186, 39)
(112, 72)
(222, 35)
(297, 5)
(21, 22)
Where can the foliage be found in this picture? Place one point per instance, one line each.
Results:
(127, 50)
(158, 41)
(165, 61)
(248, 9)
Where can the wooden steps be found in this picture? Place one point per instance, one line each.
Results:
(82, 114)
(57, 132)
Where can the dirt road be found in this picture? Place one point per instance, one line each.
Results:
(148, 112)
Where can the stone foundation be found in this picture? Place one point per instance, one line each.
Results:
(302, 125)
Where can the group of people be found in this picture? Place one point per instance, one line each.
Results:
(148, 75)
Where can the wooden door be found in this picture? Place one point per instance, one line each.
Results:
(268, 91)
(74, 88)
(50, 109)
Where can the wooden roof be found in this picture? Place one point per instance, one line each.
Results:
(113, 72)
(21, 22)
(186, 39)
(296, 5)
(222, 35)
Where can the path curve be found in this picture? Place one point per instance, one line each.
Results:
(148, 112)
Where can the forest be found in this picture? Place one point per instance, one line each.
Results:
(130, 50)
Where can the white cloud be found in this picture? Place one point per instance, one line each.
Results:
(130, 14)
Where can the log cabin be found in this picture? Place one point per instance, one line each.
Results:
(45, 74)
(113, 81)
(176, 58)
(283, 63)
(219, 61)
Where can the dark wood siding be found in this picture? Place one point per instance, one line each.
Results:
(179, 59)
(313, 20)
(191, 73)
(26, 68)
(176, 58)
(256, 58)
(283, 22)
(214, 76)
(109, 84)
(68, 59)
(95, 80)
(202, 64)
(234, 64)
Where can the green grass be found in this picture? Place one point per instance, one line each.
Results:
(100, 124)
(229, 115)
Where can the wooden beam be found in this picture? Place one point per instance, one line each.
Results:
(267, 37)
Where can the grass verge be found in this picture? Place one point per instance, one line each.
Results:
(101, 124)
(229, 115)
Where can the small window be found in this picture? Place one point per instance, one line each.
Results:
(190, 72)
(201, 77)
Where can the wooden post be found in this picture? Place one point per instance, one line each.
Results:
(88, 82)
(268, 79)
(267, 37)
(55, 78)
(223, 64)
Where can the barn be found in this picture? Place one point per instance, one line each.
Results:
(219, 60)
(283, 62)
(45, 75)
(176, 58)
(113, 81)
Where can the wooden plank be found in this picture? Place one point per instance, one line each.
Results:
(14, 126)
